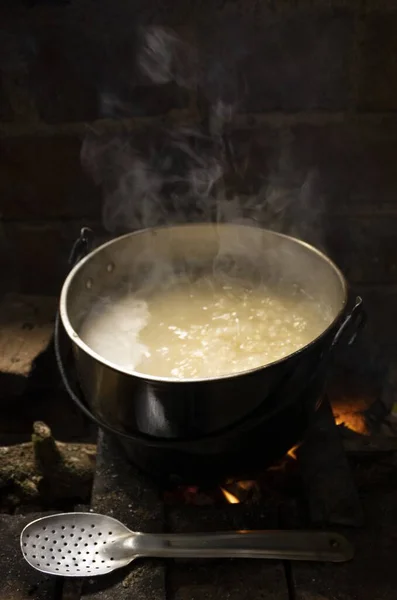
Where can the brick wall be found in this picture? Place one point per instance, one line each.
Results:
(316, 85)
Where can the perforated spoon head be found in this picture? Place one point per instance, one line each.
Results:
(75, 544)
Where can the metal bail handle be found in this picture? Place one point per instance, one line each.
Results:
(81, 247)
(353, 322)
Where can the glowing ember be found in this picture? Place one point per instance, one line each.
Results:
(246, 485)
(231, 499)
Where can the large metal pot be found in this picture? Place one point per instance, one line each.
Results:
(137, 405)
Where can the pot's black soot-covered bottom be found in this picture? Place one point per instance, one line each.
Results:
(241, 451)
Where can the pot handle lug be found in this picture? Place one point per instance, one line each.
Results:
(82, 246)
(352, 323)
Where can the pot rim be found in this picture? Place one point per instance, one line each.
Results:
(76, 339)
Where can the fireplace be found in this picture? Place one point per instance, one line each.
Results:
(296, 101)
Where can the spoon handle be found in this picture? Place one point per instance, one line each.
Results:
(282, 545)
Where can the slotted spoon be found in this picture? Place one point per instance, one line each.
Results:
(87, 544)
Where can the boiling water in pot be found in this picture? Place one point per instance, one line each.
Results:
(203, 328)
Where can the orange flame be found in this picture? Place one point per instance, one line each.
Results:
(351, 414)
(230, 498)
(292, 452)
(354, 422)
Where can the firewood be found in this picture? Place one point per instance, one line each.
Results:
(45, 472)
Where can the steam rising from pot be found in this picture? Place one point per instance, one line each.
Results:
(155, 176)
(164, 58)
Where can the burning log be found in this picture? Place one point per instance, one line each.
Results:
(45, 472)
